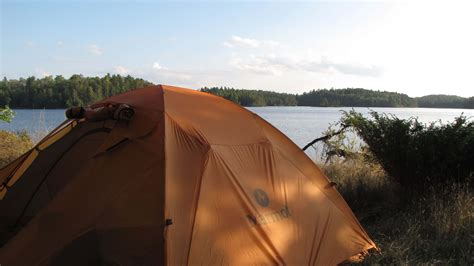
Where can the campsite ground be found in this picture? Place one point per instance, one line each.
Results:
(437, 228)
(434, 229)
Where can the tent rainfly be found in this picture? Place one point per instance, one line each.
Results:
(170, 176)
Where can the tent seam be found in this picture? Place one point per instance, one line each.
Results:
(163, 121)
(203, 169)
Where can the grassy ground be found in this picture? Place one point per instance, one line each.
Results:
(435, 228)
(13, 145)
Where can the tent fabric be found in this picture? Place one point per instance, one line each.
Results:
(192, 179)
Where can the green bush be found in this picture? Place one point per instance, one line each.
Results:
(13, 145)
(417, 156)
(6, 114)
(394, 183)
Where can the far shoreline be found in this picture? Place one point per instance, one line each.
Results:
(387, 107)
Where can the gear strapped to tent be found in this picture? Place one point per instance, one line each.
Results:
(169, 176)
(101, 112)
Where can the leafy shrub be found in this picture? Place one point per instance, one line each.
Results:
(416, 155)
(6, 114)
(434, 226)
(13, 145)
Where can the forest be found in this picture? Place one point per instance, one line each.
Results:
(445, 101)
(348, 97)
(254, 97)
(355, 98)
(61, 92)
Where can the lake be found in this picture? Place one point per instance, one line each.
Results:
(301, 124)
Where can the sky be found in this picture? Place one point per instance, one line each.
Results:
(417, 48)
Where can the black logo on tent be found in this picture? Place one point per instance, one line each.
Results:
(261, 197)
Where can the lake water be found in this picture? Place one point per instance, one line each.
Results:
(301, 124)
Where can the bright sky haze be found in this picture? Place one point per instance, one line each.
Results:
(413, 48)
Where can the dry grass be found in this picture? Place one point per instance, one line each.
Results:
(437, 228)
(13, 145)
(40, 129)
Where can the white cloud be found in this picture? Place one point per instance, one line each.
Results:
(157, 65)
(162, 74)
(257, 65)
(284, 58)
(121, 70)
(237, 41)
(94, 49)
(228, 44)
(41, 72)
(243, 42)
(59, 43)
(328, 65)
(273, 64)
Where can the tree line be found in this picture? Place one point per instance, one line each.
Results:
(253, 97)
(60, 92)
(355, 98)
(445, 101)
(349, 97)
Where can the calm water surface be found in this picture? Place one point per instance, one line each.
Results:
(301, 124)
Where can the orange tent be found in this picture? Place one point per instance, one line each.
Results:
(190, 179)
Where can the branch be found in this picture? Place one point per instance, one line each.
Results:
(324, 138)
